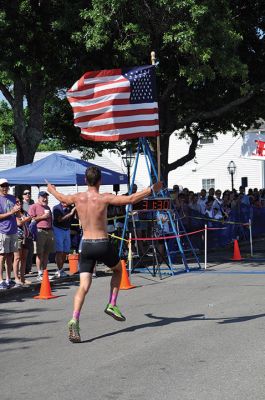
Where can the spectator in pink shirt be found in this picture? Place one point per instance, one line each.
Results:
(42, 215)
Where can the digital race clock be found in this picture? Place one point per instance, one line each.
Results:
(159, 204)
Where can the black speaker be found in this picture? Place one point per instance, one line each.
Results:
(116, 187)
(244, 182)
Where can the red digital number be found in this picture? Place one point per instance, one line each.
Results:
(166, 205)
(159, 205)
(145, 204)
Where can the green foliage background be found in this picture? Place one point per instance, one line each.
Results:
(210, 75)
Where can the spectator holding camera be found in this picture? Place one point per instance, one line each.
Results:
(27, 202)
(24, 243)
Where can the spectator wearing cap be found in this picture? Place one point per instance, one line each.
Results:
(8, 232)
(41, 213)
(62, 219)
(27, 202)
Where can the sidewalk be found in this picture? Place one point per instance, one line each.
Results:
(102, 270)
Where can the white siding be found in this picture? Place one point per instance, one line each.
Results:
(211, 163)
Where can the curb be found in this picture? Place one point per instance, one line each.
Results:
(35, 286)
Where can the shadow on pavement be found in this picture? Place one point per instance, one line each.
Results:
(160, 321)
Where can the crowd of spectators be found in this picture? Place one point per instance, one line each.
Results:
(25, 225)
(215, 204)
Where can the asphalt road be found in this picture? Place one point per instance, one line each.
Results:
(195, 336)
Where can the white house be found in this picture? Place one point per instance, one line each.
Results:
(209, 168)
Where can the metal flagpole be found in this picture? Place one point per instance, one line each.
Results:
(153, 61)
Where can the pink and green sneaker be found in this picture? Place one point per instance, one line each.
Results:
(74, 331)
(114, 312)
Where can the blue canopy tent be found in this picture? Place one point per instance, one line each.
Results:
(58, 169)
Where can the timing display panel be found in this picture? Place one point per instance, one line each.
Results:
(159, 204)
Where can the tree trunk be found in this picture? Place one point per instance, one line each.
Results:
(28, 132)
(189, 156)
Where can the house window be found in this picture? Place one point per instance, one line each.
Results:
(206, 140)
(208, 183)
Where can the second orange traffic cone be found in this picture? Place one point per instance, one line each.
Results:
(45, 289)
(125, 281)
(237, 255)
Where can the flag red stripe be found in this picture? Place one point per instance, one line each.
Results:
(120, 125)
(114, 138)
(115, 102)
(102, 73)
(115, 114)
(100, 94)
(89, 86)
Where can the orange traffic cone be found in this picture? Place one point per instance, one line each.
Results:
(237, 255)
(125, 281)
(45, 289)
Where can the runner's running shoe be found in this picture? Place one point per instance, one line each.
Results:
(74, 331)
(114, 312)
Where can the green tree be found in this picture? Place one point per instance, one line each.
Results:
(6, 126)
(39, 55)
(210, 74)
(211, 56)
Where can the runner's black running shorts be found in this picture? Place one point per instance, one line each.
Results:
(93, 250)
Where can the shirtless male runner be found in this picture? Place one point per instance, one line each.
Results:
(92, 207)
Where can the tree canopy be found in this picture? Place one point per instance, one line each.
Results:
(211, 56)
(210, 74)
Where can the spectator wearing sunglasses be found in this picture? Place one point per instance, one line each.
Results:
(27, 202)
(8, 233)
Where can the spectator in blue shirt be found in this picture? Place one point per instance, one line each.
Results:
(62, 219)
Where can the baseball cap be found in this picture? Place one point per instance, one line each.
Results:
(43, 194)
(3, 180)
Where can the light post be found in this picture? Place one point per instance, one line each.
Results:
(128, 160)
(232, 169)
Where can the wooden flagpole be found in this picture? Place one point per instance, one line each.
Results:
(153, 60)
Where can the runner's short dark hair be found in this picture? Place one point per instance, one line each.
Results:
(93, 175)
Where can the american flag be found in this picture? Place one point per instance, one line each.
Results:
(116, 104)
